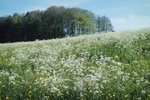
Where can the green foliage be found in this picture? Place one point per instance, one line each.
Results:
(104, 24)
(54, 22)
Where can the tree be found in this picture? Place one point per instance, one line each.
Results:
(54, 22)
(103, 24)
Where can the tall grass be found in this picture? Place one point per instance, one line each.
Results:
(90, 67)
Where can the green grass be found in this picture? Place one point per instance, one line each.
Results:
(103, 66)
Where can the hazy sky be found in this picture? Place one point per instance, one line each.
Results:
(124, 14)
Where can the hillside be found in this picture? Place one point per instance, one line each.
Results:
(89, 67)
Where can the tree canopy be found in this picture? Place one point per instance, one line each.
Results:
(54, 22)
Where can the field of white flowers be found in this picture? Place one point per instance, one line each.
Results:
(107, 66)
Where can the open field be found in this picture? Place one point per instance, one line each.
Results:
(90, 67)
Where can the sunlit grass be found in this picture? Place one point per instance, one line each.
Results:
(89, 67)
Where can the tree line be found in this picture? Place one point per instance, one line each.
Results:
(54, 22)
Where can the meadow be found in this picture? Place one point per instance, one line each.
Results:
(106, 66)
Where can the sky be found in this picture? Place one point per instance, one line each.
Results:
(124, 14)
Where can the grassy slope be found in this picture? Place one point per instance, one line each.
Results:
(105, 66)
